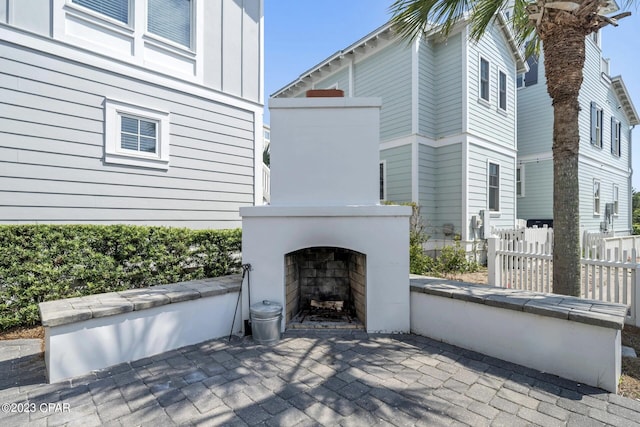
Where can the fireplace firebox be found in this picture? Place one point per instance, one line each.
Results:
(325, 287)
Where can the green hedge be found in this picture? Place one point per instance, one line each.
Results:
(48, 262)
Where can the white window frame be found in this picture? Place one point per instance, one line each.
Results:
(616, 200)
(597, 197)
(132, 42)
(480, 81)
(506, 91)
(383, 165)
(114, 154)
(616, 136)
(90, 13)
(489, 163)
(595, 38)
(599, 124)
(520, 180)
(158, 38)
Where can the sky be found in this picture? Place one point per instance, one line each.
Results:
(299, 34)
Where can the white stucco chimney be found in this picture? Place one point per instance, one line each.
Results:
(325, 193)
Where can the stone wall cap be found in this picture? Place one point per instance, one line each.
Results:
(591, 312)
(72, 310)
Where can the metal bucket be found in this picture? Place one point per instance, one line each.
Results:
(266, 321)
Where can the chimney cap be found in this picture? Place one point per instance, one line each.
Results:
(325, 93)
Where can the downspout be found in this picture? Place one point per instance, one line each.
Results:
(464, 145)
(415, 126)
(630, 197)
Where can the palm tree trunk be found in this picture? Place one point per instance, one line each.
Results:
(566, 201)
(564, 51)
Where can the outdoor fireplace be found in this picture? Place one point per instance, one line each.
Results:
(325, 248)
(326, 286)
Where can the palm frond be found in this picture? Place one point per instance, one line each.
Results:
(483, 13)
(524, 29)
(627, 4)
(411, 18)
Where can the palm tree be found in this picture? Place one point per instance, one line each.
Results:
(561, 28)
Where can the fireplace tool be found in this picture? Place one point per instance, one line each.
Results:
(246, 268)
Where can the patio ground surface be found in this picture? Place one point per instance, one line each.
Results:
(308, 378)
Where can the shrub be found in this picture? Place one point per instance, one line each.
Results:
(419, 262)
(453, 259)
(48, 262)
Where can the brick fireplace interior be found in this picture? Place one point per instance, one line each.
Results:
(316, 279)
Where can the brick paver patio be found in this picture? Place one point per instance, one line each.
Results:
(308, 378)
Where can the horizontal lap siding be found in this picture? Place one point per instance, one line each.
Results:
(448, 86)
(426, 89)
(588, 220)
(52, 145)
(594, 88)
(398, 164)
(427, 182)
(535, 136)
(448, 199)
(477, 187)
(488, 120)
(387, 74)
(600, 162)
(537, 202)
(535, 118)
(339, 78)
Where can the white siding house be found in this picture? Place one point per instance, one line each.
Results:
(447, 124)
(130, 111)
(606, 117)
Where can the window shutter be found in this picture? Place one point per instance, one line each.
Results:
(613, 135)
(170, 19)
(594, 117)
(116, 9)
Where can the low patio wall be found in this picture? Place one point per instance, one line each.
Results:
(94, 332)
(570, 337)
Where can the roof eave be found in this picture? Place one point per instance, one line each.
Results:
(386, 31)
(521, 62)
(625, 100)
(382, 31)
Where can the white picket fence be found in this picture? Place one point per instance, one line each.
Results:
(266, 183)
(532, 235)
(613, 276)
(594, 244)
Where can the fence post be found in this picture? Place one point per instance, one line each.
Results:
(635, 294)
(493, 262)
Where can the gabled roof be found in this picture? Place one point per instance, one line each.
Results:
(386, 32)
(625, 100)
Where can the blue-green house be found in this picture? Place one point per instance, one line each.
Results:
(447, 125)
(606, 117)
